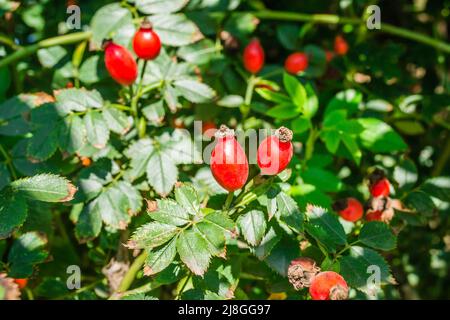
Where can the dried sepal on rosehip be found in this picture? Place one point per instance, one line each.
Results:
(328, 285)
(275, 152)
(301, 271)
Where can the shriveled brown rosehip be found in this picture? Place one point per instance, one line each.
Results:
(301, 271)
(328, 285)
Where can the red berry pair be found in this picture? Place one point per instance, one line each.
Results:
(229, 164)
(119, 61)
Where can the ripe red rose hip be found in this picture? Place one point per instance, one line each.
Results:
(374, 216)
(328, 285)
(380, 188)
(296, 62)
(229, 164)
(340, 46)
(253, 56)
(349, 209)
(120, 63)
(275, 152)
(146, 43)
(22, 283)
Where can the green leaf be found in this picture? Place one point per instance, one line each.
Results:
(170, 212)
(421, 202)
(405, 173)
(152, 235)
(352, 147)
(139, 152)
(281, 256)
(273, 96)
(288, 35)
(49, 57)
(45, 187)
(438, 187)
(92, 70)
(72, 134)
(160, 259)
(359, 265)
(78, 100)
(111, 20)
(155, 113)
(194, 251)
(159, 6)
(187, 197)
(214, 237)
(253, 226)
(325, 228)
(132, 194)
(284, 111)
(13, 212)
(380, 137)
(348, 100)
(162, 173)
(377, 235)
(92, 179)
(231, 101)
(5, 178)
(202, 52)
(332, 140)
(89, 223)
(267, 244)
(26, 251)
(288, 212)
(117, 120)
(96, 129)
(323, 179)
(295, 90)
(114, 208)
(221, 221)
(175, 29)
(12, 112)
(194, 91)
(312, 103)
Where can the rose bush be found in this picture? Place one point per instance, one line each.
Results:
(223, 150)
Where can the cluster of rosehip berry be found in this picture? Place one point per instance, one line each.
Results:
(295, 63)
(328, 285)
(379, 207)
(229, 164)
(120, 62)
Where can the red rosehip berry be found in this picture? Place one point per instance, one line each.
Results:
(275, 152)
(120, 63)
(146, 42)
(229, 164)
(340, 46)
(209, 129)
(22, 283)
(253, 57)
(296, 62)
(380, 188)
(328, 285)
(349, 209)
(329, 55)
(374, 216)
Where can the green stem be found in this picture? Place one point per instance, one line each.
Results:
(334, 19)
(142, 289)
(249, 91)
(228, 201)
(442, 161)
(8, 162)
(50, 42)
(131, 274)
(188, 278)
(9, 42)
